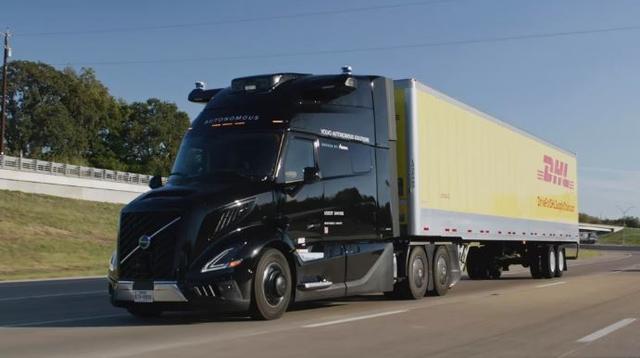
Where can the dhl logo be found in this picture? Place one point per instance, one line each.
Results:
(555, 172)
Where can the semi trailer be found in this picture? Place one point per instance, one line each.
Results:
(291, 187)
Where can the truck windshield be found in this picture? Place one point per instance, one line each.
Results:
(249, 156)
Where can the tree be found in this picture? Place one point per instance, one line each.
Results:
(628, 221)
(151, 134)
(99, 114)
(71, 117)
(39, 123)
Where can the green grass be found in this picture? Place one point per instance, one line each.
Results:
(586, 254)
(631, 237)
(47, 236)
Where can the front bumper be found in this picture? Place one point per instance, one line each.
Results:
(223, 296)
(163, 291)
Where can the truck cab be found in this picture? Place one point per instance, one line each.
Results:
(284, 189)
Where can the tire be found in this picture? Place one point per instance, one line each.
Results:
(441, 272)
(548, 261)
(415, 286)
(560, 261)
(144, 310)
(534, 263)
(272, 286)
(476, 269)
(495, 272)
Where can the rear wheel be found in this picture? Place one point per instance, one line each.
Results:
(560, 262)
(415, 286)
(144, 310)
(495, 272)
(272, 286)
(441, 271)
(548, 261)
(535, 266)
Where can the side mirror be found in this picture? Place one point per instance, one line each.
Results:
(155, 182)
(311, 174)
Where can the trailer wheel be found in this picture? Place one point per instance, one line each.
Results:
(534, 262)
(495, 272)
(415, 286)
(474, 264)
(560, 262)
(271, 291)
(441, 271)
(144, 310)
(548, 261)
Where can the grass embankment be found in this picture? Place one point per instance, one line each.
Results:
(47, 236)
(584, 253)
(631, 237)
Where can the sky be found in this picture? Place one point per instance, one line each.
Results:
(578, 91)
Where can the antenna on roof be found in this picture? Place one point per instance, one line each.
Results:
(200, 85)
(346, 70)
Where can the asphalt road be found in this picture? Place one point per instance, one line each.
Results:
(593, 311)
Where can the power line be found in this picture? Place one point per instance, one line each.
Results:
(363, 49)
(232, 21)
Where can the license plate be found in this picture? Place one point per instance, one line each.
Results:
(143, 296)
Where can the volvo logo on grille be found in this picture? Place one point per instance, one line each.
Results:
(144, 242)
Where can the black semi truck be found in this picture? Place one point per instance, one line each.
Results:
(286, 188)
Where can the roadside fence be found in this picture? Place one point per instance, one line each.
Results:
(68, 170)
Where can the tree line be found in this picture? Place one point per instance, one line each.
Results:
(629, 221)
(69, 116)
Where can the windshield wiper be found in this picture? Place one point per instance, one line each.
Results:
(178, 174)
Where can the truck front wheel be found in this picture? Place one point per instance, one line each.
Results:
(272, 286)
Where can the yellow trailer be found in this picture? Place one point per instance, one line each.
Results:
(466, 174)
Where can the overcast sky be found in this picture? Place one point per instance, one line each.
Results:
(578, 91)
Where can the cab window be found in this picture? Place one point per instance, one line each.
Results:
(339, 159)
(299, 156)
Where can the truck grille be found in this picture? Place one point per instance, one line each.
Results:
(158, 260)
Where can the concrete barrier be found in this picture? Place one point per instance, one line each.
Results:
(76, 182)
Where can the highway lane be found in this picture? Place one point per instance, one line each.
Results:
(514, 316)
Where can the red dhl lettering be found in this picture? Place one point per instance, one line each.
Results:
(555, 172)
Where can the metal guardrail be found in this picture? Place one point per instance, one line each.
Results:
(68, 170)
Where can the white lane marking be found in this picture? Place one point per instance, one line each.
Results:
(38, 323)
(552, 284)
(52, 295)
(53, 279)
(358, 318)
(606, 330)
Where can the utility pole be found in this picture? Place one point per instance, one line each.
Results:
(7, 54)
(624, 222)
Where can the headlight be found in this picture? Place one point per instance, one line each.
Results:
(221, 261)
(113, 263)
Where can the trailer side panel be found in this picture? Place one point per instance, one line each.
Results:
(472, 176)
